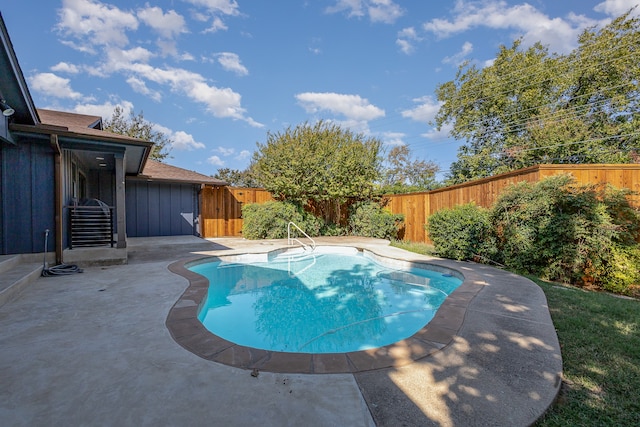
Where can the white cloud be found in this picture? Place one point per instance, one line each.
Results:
(405, 40)
(353, 7)
(243, 155)
(560, 34)
(353, 107)
(104, 110)
(168, 25)
(180, 139)
(385, 11)
(394, 138)
(615, 8)
(121, 58)
(64, 67)
(215, 161)
(231, 62)
(217, 24)
(88, 23)
(225, 151)
(186, 56)
(184, 141)
(225, 7)
(355, 126)
(220, 102)
(457, 58)
(213, 10)
(53, 85)
(425, 112)
(140, 86)
(405, 46)
(168, 47)
(95, 23)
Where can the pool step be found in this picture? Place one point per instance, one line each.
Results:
(15, 275)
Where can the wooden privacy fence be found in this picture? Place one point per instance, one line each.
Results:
(221, 209)
(484, 192)
(221, 206)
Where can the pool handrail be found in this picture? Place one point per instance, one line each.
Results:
(290, 239)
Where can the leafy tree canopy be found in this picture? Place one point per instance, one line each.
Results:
(402, 174)
(318, 163)
(237, 178)
(531, 107)
(136, 126)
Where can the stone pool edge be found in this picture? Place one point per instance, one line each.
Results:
(188, 331)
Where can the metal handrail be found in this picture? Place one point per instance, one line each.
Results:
(294, 273)
(290, 239)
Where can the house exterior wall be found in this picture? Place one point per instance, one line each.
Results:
(26, 197)
(161, 209)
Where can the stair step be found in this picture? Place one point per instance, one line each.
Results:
(15, 279)
(7, 262)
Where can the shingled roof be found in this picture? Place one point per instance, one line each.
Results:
(82, 124)
(156, 171)
(61, 118)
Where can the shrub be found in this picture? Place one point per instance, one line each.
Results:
(269, 220)
(369, 219)
(622, 274)
(331, 229)
(580, 234)
(460, 232)
(310, 224)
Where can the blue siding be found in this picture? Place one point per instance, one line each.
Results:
(150, 218)
(160, 209)
(27, 197)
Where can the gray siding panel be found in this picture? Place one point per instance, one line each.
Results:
(27, 197)
(152, 219)
(160, 209)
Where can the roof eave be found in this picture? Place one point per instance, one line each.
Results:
(13, 86)
(135, 167)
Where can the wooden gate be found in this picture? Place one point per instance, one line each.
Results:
(221, 209)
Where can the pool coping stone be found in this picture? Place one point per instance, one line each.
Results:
(188, 331)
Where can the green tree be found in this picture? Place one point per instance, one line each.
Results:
(237, 178)
(403, 174)
(135, 126)
(531, 106)
(321, 163)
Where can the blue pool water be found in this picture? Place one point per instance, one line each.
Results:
(321, 303)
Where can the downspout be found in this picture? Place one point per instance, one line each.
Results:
(57, 179)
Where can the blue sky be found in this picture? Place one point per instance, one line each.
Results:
(217, 75)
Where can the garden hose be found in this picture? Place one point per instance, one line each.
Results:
(56, 270)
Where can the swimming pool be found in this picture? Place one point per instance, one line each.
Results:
(333, 300)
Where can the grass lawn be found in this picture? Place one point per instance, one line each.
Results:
(600, 340)
(419, 248)
(599, 336)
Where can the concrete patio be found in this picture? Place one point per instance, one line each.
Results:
(93, 349)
